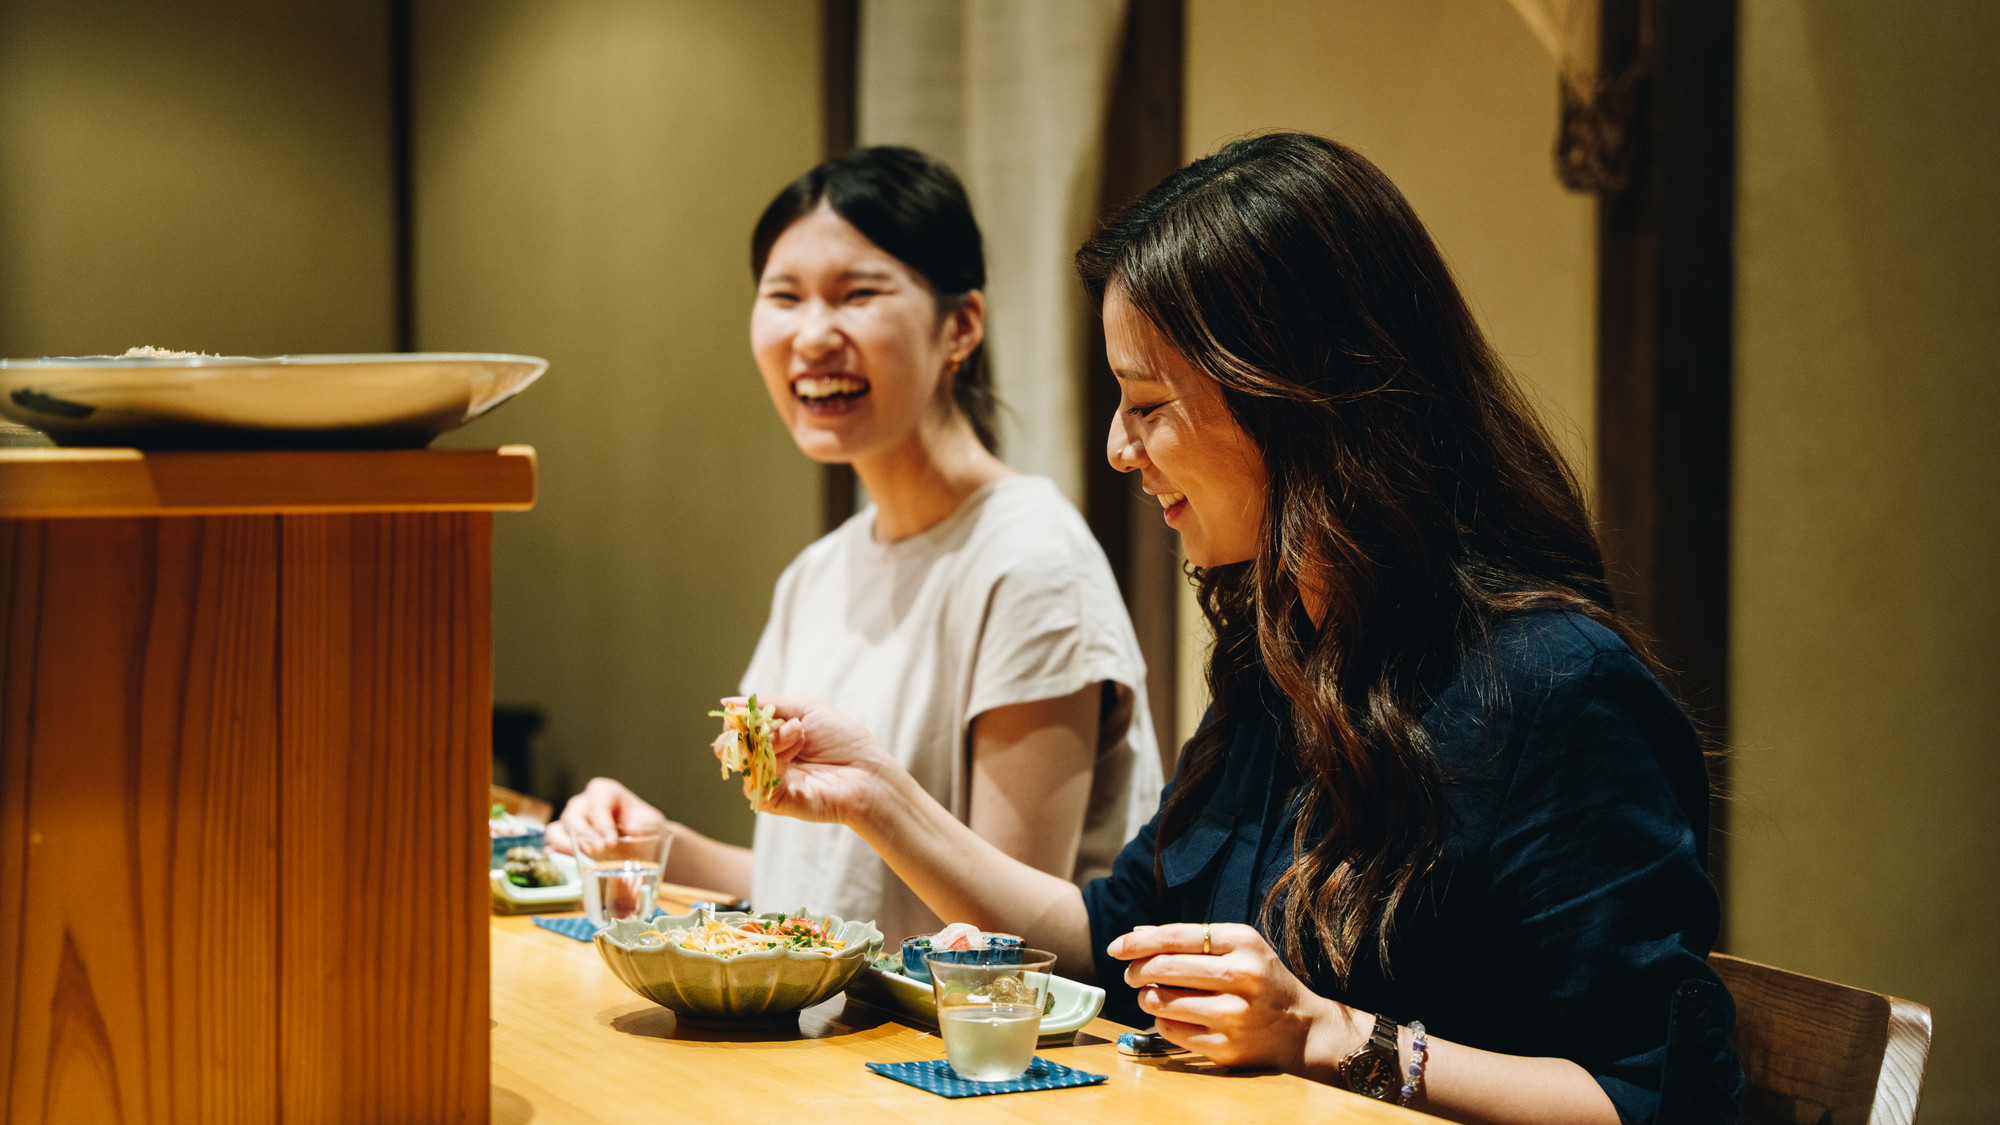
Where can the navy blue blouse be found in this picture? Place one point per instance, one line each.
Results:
(1570, 914)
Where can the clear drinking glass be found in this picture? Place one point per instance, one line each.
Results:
(620, 874)
(990, 1010)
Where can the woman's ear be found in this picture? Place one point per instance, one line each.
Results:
(965, 326)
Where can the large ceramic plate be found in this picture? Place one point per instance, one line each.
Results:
(1076, 1004)
(390, 401)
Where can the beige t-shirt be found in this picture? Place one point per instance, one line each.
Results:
(1008, 600)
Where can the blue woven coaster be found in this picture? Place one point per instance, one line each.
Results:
(937, 1076)
(582, 929)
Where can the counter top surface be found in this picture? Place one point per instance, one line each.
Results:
(71, 483)
(572, 1044)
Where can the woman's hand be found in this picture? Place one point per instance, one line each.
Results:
(832, 769)
(1238, 1004)
(605, 808)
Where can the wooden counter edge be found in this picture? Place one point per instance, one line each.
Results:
(73, 483)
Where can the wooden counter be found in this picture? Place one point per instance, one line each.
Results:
(230, 682)
(573, 1045)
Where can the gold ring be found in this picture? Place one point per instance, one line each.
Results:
(1205, 948)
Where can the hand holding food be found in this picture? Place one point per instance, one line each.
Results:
(1236, 1003)
(829, 767)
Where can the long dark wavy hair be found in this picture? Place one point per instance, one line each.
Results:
(1409, 486)
(913, 207)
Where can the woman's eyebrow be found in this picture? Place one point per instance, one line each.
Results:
(867, 275)
(1125, 376)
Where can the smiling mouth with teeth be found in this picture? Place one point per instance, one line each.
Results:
(810, 387)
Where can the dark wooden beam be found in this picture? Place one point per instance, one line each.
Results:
(402, 163)
(840, 31)
(1665, 292)
(1142, 145)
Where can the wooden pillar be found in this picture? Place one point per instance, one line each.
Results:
(1665, 314)
(1142, 146)
(244, 755)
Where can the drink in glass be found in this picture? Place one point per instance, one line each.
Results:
(990, 1011)
(620, 875)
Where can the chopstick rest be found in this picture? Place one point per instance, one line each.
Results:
(1148, 1045)
(937, 1076)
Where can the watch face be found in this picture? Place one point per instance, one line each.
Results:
(1371, 1074)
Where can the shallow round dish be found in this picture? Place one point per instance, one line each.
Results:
(383, 401)
(1001, 949)
(767, 987)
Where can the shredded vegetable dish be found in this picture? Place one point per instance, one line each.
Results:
(745, 746)
(752, 935)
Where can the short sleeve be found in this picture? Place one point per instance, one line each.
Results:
(1598, 857)
(1039, 639)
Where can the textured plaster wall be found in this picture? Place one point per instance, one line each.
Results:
(588, 175)
(1866, 692)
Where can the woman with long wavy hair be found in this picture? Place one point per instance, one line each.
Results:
(1440, 837)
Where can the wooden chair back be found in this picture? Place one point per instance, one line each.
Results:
(1819, 1053)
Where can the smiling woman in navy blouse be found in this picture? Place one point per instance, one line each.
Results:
(1440, 836)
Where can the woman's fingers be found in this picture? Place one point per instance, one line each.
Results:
(1191, 1005)
(1185, 937)
(787, 706)
(556, 839)
(1213, 973)
(788, 740)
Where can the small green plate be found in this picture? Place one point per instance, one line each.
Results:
(1076, 1004)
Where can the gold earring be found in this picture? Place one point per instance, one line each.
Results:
(952, 362)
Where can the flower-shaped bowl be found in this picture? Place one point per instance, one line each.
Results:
(765, 987)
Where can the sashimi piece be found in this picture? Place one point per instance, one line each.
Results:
(959, 935)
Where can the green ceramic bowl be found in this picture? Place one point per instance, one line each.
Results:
(769, 987)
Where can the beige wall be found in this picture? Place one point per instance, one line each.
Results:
(1456, 101)
(205, 175)
(587, 176)
(1866, 689)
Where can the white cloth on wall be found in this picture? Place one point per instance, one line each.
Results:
(1007, 601)
(1013, 94)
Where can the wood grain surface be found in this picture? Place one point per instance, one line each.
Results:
(1816, 1051)
(244, 762)
(573, 1045)
(67, 483)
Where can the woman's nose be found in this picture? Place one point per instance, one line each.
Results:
(1123, 449)
(817, 333)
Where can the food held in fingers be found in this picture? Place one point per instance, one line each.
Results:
(745, 745)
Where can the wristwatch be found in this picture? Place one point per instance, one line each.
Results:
(1375, 1069)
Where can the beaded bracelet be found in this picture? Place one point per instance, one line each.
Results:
(1419, 1051)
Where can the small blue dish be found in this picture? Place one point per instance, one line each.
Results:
(1001, 949)
(502, 843)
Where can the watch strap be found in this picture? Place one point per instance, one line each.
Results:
(1374, 1069)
